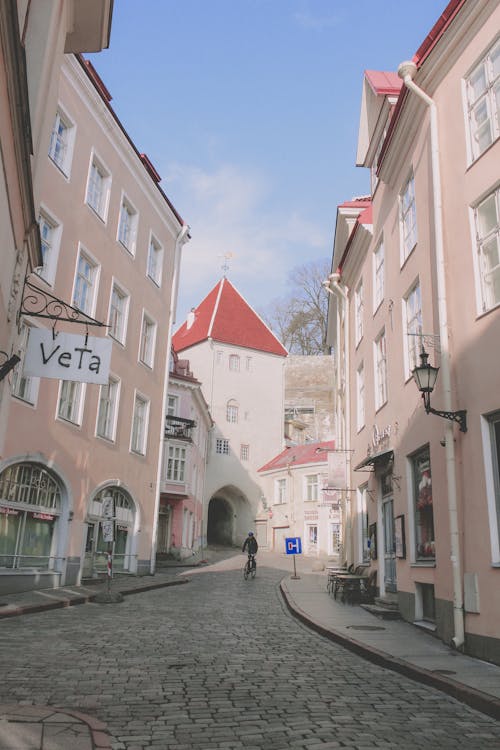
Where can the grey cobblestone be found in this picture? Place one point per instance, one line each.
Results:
(220, 664)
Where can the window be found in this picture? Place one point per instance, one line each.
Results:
(98, 187)
(172, 402)
(248, 363)
(280, 491)
(378, 276)
(127, 225)
(380, 371)
(50, 235)
(176, 465)
(483, 101)
(70, 401)
(232, 412)
(85, 284)
(358, 312)
(423, 508)
(491, 442)
(408, 219)
(360, 390)
(413, 316)
(155, 261)
(139, 425)
(234, 362)
(312, 487)
(24, 387)
(218, 357)
(148, 340)
(118, 310)
(244, 452)
(487, 218)
(61, 142)
(222, 446)
(108, 409)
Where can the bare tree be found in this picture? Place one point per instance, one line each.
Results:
(299, 320)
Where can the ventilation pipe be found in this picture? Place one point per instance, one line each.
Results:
(407, 71)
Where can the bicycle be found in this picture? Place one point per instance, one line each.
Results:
(250, 568)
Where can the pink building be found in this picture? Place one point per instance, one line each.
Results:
(187, 431)
(111, 243)
(416, 265)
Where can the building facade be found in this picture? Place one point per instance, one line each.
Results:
(187, 436)
(415, 269)
(111, 245)
(239, 363)
(309, 399)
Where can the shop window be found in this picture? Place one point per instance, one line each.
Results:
(423, 506)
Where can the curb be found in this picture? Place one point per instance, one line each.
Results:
(29, 609)
(101, 738)
(474, 698)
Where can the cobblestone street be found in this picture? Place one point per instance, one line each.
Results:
(219, 663)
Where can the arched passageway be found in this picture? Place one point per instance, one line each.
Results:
(220, 522)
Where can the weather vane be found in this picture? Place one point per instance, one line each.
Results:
(225, 266)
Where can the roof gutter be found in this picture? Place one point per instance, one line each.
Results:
(407, 71)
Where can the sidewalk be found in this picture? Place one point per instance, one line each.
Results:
(396, 645)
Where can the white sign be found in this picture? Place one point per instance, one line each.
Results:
(67, 356)
(337, 470)
(108, 531)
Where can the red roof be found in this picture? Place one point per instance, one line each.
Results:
(297, 455)
(383, 82)
(357, 203)
(226, 317)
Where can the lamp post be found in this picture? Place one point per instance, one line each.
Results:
(425, 376)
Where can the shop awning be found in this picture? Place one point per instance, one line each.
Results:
(382, 457)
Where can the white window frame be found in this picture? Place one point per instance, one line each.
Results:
(147, 345)
(248, 364)
(74, 393)
(100, 205)
(176, 463)
(380, 369)
(378, 275)
(484, 102)
(24, 387)
(280, 490)
(172, 405)
(155, 260)
(92, 282)
(234, 362)
(128, 220)
(311, 487)
(61, 154)
(140, 424)
(118, 316)
(492, 477)
(358, 312)
(244, 452)
(232, 412)
(487, 236)
(412, 325)
(109, 400)
(50, 245)
(360, 397)
(407, 219)
(222, 446)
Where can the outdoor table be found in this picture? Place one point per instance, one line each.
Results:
(350, 584)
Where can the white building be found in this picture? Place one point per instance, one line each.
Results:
(240, 364)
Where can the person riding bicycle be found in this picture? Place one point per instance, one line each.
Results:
(250, 543)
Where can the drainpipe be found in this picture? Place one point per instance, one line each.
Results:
(332, 286)
(181, 239)
(407, 71)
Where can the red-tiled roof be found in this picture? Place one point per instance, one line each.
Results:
(384, 82)
(356, 203)
(226, 317)
(298, 455)
(366, 217)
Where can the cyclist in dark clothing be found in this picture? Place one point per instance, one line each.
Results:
(250, 543)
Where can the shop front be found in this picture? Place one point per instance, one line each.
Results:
(122, 548)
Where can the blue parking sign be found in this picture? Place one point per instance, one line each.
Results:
(293, 545)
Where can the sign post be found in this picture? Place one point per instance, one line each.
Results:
(293, 546)
(108, 533)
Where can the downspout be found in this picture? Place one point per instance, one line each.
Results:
(407, 71)
(182, 238)
(332, 286)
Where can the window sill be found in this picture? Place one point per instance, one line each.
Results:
(96, 213)
(423, 564)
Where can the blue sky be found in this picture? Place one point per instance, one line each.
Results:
(249, 110)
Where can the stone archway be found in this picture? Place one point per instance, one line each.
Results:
(230, 516)
(220, 522)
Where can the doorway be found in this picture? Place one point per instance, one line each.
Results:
(389, 541)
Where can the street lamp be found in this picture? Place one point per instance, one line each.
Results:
(425, 376)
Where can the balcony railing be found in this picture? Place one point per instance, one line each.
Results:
(179, 428)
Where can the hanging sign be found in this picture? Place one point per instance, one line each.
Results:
(337, 470)
(67, 356)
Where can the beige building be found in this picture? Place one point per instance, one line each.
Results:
(416, 265)
(111, 244)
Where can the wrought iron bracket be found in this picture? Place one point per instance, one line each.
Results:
(454, 416)
(8, 365)
(39, 303)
